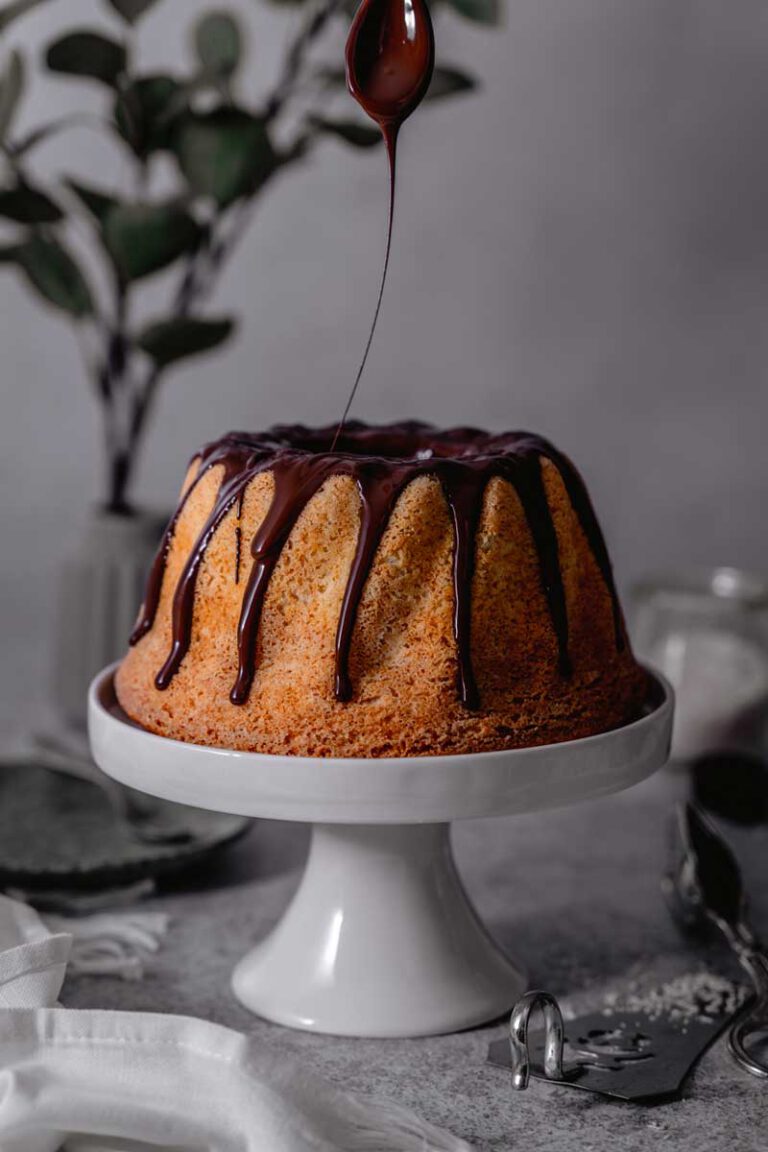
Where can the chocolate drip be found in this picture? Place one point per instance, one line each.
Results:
(297, 479)
(184, 597)
(238, 550)
(232, 461)
(582, 506)
(464, 490)
(239, 536)
(529, 484)
(379, 489)
(382, 462)
(149, 606)
(390, 57)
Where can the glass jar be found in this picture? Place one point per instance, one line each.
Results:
(708, 633)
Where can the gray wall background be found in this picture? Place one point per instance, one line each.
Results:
(582, 248)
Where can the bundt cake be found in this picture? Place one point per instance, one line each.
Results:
(412, 592)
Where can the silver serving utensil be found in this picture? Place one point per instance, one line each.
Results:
(625, 1054)
(554, 1038)
(705, 891)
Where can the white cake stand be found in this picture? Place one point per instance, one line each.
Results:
(380, 938)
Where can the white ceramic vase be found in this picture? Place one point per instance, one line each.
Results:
(100, 586)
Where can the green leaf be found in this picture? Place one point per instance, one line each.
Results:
(27, 205)
(171, 340)
(145, 112)
(87, 54)
(218, 43)
(143, 238)
(11, 12)
(449, 81)
(131, 10)
(358, 135)
(478, 11)
(98, 203)
(223, 154)
(11, 88)
(54, 274)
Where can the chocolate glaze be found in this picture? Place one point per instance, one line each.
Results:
(239, 536)
(382, 461)
(390, 57)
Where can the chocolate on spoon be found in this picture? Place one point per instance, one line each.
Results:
(390, 57)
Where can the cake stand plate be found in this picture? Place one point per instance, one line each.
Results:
(380, 938)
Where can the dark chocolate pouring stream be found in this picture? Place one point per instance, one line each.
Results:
(390, 55)
(382, 462)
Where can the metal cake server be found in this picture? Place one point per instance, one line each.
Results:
(628, 1055)
(705, 891)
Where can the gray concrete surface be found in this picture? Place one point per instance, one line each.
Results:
(574, 893)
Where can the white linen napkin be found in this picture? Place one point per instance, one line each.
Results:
(98, 1081)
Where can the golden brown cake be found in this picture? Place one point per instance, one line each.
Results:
(413, 592)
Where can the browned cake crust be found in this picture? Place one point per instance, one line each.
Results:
(403, 662)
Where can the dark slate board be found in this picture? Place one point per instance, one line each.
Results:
(59, 832)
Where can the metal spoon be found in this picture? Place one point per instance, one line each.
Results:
(704, 891)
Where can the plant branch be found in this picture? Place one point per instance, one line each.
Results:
(297, 53)
(46, 132)
(128, 396)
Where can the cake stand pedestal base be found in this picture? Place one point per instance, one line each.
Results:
(379, 907)
(380, 939)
